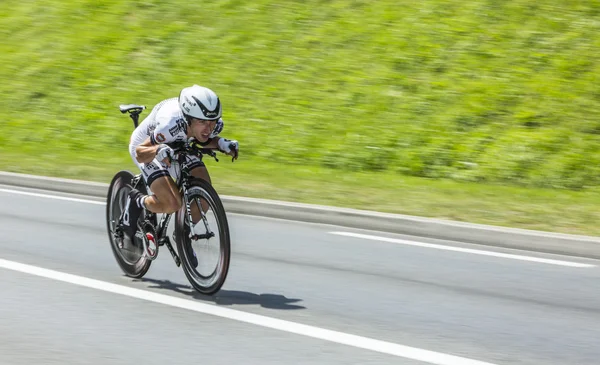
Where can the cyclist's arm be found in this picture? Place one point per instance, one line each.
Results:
(167, 130)
(146, 151)
(212, 143)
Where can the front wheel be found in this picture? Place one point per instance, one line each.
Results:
(205, 256)
(128, 253)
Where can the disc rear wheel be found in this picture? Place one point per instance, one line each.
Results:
(128, 253)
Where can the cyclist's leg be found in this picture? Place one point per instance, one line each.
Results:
(198, 170)
(201, 172)
(164, 196)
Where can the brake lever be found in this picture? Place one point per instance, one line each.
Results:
(213, 155)
(204, 151)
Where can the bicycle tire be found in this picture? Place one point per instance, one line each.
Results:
(118, 185)
(202, 187)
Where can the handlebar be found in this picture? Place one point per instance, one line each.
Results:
(193, 148)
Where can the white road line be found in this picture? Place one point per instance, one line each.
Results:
(52, 196)
(460, 249)
(389, 348)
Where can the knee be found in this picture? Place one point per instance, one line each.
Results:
(173, 204)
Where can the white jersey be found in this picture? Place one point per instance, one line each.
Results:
(166, 124)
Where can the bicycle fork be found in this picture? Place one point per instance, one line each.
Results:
(193, 235)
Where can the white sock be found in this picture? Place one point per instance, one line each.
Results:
(140, 202)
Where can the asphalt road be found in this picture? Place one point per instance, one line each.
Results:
(396, 297)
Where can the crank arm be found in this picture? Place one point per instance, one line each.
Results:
(202, 236)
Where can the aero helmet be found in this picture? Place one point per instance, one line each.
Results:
(199, 102)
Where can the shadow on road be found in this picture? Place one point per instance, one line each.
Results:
(227, 297)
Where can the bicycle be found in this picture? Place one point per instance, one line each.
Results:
(135, 256)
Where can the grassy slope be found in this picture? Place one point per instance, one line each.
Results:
(486, 91)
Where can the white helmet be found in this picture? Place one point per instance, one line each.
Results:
(199, 102)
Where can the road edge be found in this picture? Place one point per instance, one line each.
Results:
(547, 242)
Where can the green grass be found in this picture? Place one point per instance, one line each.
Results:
(485, 111)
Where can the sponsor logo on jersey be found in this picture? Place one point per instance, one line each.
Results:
(179, 127)
(150, 166)
(160, 138)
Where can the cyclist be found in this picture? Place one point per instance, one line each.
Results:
(196, 113)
